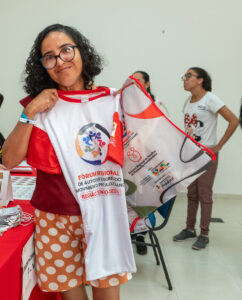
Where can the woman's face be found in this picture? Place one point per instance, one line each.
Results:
(190, 80)
(140, 78)
(68, 75)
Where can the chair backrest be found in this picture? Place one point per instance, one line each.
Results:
(164, 211)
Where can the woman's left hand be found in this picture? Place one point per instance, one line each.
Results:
(2, 167)
(216, 149)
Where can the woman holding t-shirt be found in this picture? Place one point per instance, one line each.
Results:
(201, 110)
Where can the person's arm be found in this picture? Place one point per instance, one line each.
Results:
(15, 147)
(233, 124)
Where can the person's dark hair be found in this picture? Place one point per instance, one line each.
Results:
(207, 81)
(146, 78)
(1, 99)
(36, 76)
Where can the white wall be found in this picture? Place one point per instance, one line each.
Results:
(162, 37)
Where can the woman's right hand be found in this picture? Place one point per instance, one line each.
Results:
(44, 101)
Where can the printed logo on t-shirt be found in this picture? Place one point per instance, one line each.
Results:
(91, 143)
(201, 107)
(193, 126)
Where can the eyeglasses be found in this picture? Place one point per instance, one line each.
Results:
(66, 54)
(187, 76)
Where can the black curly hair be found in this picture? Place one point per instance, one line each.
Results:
(36, 76)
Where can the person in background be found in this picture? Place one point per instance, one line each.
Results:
(1, 136)
(201, 111)
(144, 79)
(240, 115)
(60, 73)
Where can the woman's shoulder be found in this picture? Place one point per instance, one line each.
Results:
(212, 96)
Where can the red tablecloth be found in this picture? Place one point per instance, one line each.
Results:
(11, 246)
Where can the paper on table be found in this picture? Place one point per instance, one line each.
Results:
(6, 192)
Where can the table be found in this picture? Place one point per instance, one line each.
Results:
(11, 246)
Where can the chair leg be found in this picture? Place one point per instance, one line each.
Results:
(162, 260)
(154, 249)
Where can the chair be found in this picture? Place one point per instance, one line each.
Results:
(165, 211)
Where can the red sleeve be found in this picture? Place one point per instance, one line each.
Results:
(41, 153)
(115, 147)
(25, 101)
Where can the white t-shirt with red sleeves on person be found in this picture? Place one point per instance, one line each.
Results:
(85, 130)
(200, 118)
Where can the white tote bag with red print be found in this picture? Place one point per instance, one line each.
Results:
(160, 160)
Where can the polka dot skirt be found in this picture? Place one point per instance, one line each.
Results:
(59, 248)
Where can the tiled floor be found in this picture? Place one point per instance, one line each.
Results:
(211, 274)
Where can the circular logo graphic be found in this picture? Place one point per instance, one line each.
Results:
(92, 143)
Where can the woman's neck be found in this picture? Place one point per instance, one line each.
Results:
(197, 95)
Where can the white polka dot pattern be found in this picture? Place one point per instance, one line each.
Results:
(114, 281)
(53, 286)
(50, 216)
(59, 263)
(77, 257)
(60, 244)
(94, 283)
(47, 254)
(64, 238)
(43, 223)
(43, 277)
(74, 219)
(37, 229)
(74, 244)
(62, 278)
(60, 225)
(45, 239)
(63, 220)
(72, 283)
(79, 271)
(70, 268)
(52, 231)
(78, 231)
(67, 254)
(55, 247)
(41, 261)
(51, 270)
(39, 245)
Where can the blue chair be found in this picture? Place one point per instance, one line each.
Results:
(164, 211)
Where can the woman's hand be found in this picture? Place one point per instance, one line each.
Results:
(2, 167)
(45, 101)
(215, 149)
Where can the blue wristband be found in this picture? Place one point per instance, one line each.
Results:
(25, 120)
(24, 116)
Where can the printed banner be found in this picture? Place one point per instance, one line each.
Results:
(160, 160)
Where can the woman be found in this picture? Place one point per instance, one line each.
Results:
(82, 234)
(144, 79)
(201, 110)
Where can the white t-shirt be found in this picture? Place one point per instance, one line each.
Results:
(200, 118)
(84, 129)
